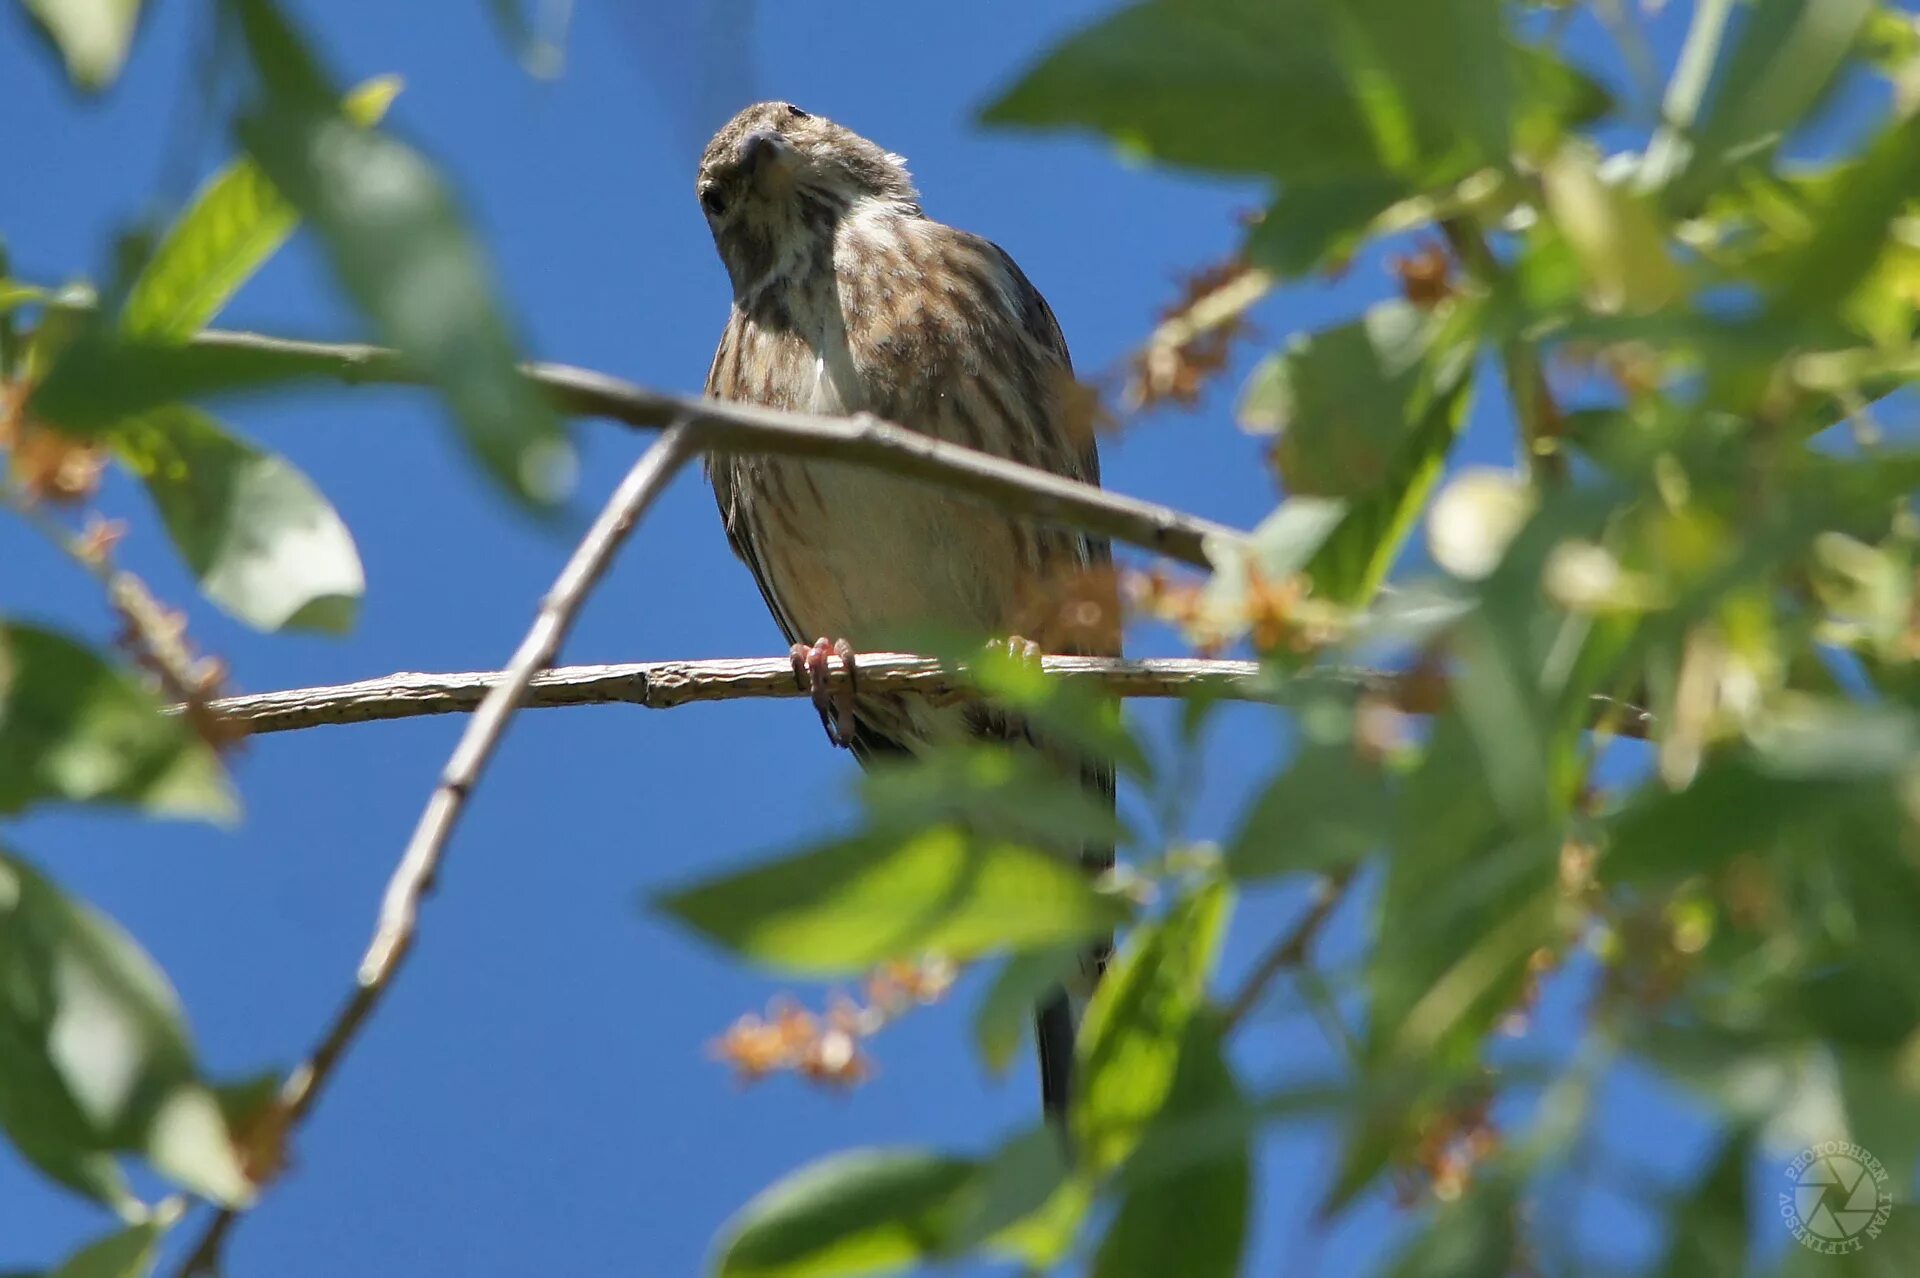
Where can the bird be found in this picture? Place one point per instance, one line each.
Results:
(847, 299)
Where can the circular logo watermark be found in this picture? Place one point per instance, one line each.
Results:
(1839, 1198)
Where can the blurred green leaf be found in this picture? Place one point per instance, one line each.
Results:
(74, 729)
(1822, 779)
(1366, 412)
(96, 379)
(1712, 1241)
(1785, 60)
(1304, 90)
(1327, 808)
(1616, 234)
(125, 1253)
(234, 224)
(1474, 1237)
(261, 539)
(844, 906)
(1017, 1187)
(1316, 226)
(1281, 545)
(1131, 1042)
(1006, 1010)
(1851, 227)
(861, 1212)
(94, 1057)
(1070, 716)
(92, 36)
(1193, 1221)
(402, 253)
(994, 788)
(541, 47)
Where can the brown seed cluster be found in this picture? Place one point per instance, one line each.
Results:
(826, 1048)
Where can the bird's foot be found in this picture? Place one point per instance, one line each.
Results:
(1024, 652)
(834, 704)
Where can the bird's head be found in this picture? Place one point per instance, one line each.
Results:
(774, 181)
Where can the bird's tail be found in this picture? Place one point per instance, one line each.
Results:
(1056, 1025)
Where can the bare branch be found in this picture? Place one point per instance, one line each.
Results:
(419, 865)
(863, 440)
(1291, 950)
(662, 685)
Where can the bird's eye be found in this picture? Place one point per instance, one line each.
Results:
(795, 113)
(713, 202)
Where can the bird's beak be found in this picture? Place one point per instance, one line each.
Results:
(768, 158)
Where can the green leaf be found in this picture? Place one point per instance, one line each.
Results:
(994, 788)
(842, 907)
(1851, 226)
(1131, 1043)
(92, 35)
(1712, 1239)
(262, 541)
(125, 1253)
(1193, 1221)
(1367, 413)
(1787, 58)
(1304, 90)
(861, 1212)
(1617, 236)
(1312, 226)
(1281, 545)
(97, 379)
(1006, 1010)
(1326, 809)
(403, 254)
(1469, 1238)
(235, 223)
(74, 729)
(94, 1056)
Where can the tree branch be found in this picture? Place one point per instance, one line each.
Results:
(863, 439)
(419, 865)
(1291, 950)
(663, 685)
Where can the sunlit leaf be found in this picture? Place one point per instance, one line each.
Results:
(235, 223)
(261, 539)
(1365, 412)
(1783, 63)
(94, 1057)
(401, 251)
(1615, 233)
(1305, 90)
(1131, 1042)
(861, 1212)
(1192, 1221)
(92, 35)
(125, 1253)
(845, 906)
(74, 729)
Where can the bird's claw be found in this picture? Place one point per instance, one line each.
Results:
(1023, 652)
(810, 662)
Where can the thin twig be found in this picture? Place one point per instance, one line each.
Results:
(1291, 950)
(862, 439)
(1535, 408)
(663, 685)
(414, 877)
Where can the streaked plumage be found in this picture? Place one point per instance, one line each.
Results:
(847, 298)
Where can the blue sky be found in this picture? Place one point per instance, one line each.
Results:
(535, 1096)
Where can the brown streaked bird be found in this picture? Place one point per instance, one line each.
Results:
(847, 298)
